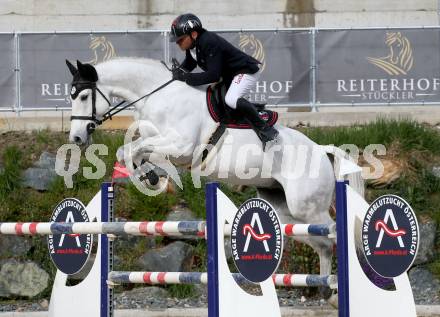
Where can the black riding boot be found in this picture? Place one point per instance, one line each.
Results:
(265, 133)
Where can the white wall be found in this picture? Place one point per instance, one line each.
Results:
(376, 13)
(50, 15)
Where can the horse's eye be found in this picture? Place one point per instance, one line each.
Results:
(84, 97)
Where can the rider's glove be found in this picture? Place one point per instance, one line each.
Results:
(179, 74)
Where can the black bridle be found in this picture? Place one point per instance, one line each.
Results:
(78, 86)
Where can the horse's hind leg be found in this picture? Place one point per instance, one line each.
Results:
(310, 213)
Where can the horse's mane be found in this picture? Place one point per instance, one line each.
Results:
(141, 60)
(147, 67)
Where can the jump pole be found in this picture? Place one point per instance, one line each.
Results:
(358, 296)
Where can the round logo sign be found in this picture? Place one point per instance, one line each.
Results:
(256, 240)
(390, 236)
(70, 252)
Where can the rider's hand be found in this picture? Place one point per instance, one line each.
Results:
(179, 74)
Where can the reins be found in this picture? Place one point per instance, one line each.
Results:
(109, 114)
(113, 109)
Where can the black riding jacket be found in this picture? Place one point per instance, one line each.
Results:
(218, 58)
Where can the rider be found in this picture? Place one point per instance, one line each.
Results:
(220, 60)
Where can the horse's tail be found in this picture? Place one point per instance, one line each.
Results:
(346, 169)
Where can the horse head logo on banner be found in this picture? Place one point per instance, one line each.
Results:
(253, 46)
(400, 57)
(102, 49)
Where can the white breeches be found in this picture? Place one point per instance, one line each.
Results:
(240, 87)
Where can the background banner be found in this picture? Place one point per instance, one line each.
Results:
(45, 79)
(299, 67)
(8, 92)
(378, 66)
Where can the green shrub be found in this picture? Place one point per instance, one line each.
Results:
(10, 177)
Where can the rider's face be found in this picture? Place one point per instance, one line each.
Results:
(184, 42)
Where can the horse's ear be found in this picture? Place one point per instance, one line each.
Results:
(87, 71)
(72, 68)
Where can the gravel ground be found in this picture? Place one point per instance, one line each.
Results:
(153, 298)
(157, 298)
(23, 306)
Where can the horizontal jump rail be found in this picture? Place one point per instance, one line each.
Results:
(150, 228)
(164, 278)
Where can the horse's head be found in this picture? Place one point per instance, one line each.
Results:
(88, 107)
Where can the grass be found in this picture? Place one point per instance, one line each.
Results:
(182, 290)
(193, 197)
(414, 143)
(409, 134)
(142, 207)
(10, 177)
(43, 136)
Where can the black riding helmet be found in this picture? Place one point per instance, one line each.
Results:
(184, 24)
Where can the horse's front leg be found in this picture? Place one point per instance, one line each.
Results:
(163, 153)
(137, 164)
(146, 175)
(147, 159)
(164, 146)
(125, 151)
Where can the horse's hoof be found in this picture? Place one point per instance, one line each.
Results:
(151, 177)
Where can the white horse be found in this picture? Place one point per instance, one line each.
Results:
(295, 175)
